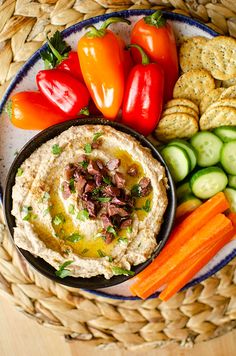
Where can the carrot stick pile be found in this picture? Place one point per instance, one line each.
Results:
(191, 245)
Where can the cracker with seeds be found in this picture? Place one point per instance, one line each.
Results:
(194, 85)
(228, 83)
(229, 93)
(218, 116)
(219, 57)
(182, 109)
(210, 98)
(229, 102)
(190, 53)
(182, 101)
(176, 125)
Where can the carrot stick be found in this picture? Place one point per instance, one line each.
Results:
(210, 232)
(194, 267)
(185, 230)
(232, 217)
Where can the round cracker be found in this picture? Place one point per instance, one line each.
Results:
(194, 85)
(228, 83)
(218, 116)
(177, 125)
(182, 101)
(190, 53)
(210, 98)
(219, 57)
(229, 93)
(182, 109)
(230, 102)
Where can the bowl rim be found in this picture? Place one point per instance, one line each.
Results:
(38, 263)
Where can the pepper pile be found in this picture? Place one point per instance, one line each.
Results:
(104, 77)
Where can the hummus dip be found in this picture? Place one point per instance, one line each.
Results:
(90, 202)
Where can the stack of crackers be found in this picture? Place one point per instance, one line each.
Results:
(205, 93)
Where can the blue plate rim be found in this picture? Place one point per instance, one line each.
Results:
(75, 28)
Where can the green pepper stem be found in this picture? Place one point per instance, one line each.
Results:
(84, 111)
(145, 59)
(8, 109)
(156, 19)
(94, 32)
(111, 20)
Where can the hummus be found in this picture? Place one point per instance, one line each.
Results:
(90, 202)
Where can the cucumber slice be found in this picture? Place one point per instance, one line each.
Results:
(232, 181)
(187, 206)
(189, 149)
(208, 181)
(230, 194)
(187, 197)
(228, 157)
(226, 133)
(177, 161)
(183, 190)
(208, 147)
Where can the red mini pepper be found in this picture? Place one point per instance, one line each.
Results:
(156, 37)
(71, 64)
(143, 97)
(63, 91)
(101, 61)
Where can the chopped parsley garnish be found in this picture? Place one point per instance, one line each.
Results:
(123, 239)
(96, 191)
(56, 149)
(106, 180)
(103, 199)
(101, 253)
(63, 272)
(147, 206)
(28, 212)
(118, 271)
(97, 135)
(84, 164)
(45, 197)
(87, 148)
(110, 259)
(83, 215)
(56, 51)
(72, 185)
(136, 190)
(58, 219)
(19, 172)
(112, 230)
(129, 229)
(71, 209)
(75, 237)
(46, 211)
(84, 251)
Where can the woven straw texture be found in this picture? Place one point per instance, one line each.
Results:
(200, 313)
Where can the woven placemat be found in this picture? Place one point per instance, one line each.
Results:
(200, 313)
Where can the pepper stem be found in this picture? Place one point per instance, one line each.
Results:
(84, 111)
(144, 56)
(156, 19)
(111, 20)
(94, 32)
(8, 109)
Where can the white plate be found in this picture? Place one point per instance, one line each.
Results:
(12, 139)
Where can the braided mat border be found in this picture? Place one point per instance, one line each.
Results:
(200, 313)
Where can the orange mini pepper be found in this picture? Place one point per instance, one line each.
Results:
(102, 66)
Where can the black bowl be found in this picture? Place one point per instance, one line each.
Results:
(38, 263)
